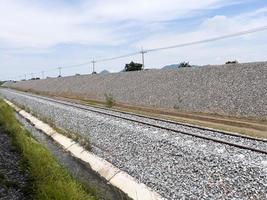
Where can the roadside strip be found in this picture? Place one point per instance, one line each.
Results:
(112, 174)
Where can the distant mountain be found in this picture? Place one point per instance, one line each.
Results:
(175, 66)
(104, 72)
(172, 66)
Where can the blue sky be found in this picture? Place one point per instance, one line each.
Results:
(38, 35)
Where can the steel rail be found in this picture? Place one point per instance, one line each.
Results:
(159, 119)
(176, 123)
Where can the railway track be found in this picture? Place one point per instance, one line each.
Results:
(231, 139)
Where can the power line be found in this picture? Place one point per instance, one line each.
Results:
(172, 46)
(210, 39)
(96, 61)
(143, 51)
(118, 57)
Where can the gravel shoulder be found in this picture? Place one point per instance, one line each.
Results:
(14, 179)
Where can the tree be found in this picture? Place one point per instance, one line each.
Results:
(133, 67)
(185, 64)
(231, 62)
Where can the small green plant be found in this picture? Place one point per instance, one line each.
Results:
(177, 106)
(110, 101)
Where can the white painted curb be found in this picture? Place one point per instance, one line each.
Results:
(115, 176)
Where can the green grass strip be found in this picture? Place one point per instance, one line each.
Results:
(50, 179)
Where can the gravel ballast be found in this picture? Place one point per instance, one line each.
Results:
(175, 165)
(238, 90)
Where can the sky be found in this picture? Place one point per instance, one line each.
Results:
(41, 35)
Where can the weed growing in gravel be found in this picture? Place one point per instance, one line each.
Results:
(23, 107)
(110, 101)
(50, 179)
(178, 105)
(74, 136)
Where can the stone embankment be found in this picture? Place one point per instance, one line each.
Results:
(238, 90)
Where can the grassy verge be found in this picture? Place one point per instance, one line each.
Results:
(50, 179)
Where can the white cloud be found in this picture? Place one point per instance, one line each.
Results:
(151, 10)
(25, 26)
(209, 28)
(28, 24)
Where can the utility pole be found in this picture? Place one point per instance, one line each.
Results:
(143, 57)
(93, 66)
(25, 76)
(32, 75)
(42, 74)
(59, 72)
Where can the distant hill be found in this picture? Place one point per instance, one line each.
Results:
(104, 72)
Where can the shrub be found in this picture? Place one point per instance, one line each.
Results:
(110, 101)
(185, 64)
